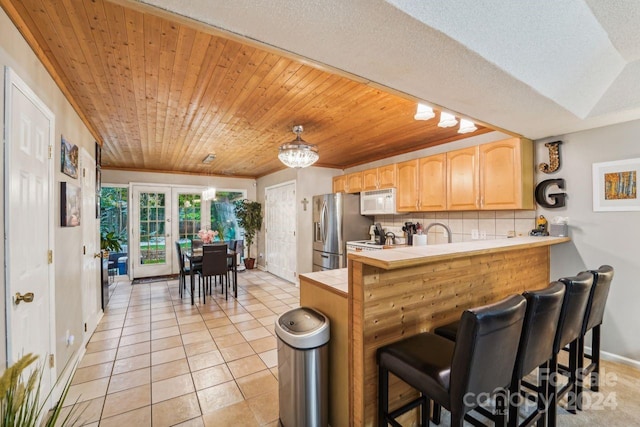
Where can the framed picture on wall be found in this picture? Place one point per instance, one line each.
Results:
(98, 155)
(68, 158)
(70, 203)
(98, 190)
(615, 185)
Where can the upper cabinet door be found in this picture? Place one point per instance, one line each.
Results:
(432, 183)
(339, 183)
(370, 179)
(462, 184)
(354, 182)
(387, 176)
(506, 174)
(407, 192)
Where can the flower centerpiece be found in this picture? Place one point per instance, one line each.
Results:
(207, 236)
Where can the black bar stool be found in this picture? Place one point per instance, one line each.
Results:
(479, 362)
(602, 278)
(569, 331)
(534, 351)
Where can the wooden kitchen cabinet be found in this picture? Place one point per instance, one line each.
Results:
(422, 185)
(463, 185)
(506, 174)
(370, 179)
(354, 182)
(339, 183)
(407, 192)
(379, 178)
(432, 183)
(387, 176)
(493, 176)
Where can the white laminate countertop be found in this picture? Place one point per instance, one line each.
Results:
(415, 255)
(336, 281)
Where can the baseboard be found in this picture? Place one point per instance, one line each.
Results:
(67, 373)
(612, 357)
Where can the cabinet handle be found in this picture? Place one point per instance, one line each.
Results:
(481, 202)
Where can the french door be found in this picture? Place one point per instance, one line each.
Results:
(152, 248)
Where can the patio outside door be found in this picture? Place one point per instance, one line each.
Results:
(152, 245)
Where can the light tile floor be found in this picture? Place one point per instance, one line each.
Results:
(156, 360)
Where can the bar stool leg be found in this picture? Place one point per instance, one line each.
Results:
(383, 396)
(553, 391)
(543, 394)
(573, 383)
(595, 358)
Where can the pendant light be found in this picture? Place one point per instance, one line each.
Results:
(447, 120)
(467, 126)
(424, 112)
(297, 153)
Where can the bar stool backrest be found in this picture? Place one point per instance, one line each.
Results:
(574, 308)
(602, 278)
(485, 351)
(539, 329)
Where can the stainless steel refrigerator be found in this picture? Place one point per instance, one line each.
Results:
(336, 220)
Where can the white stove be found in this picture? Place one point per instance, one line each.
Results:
(364, 245)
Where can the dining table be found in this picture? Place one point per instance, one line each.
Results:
(194, 256)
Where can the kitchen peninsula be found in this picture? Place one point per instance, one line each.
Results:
(386, 295)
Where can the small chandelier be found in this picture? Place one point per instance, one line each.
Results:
(297, 153)
(209, 194)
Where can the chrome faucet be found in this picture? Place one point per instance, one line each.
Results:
(426, 230)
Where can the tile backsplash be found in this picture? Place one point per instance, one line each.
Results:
(489, 225)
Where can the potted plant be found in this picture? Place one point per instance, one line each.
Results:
(249, 216)
(21, 403)
(109, 241)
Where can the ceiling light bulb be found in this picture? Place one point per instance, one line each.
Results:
(424, 112)
(467, 126)
(447, 120)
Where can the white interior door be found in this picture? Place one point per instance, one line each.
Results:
(91, 304)
(280, 231)
(29, 225)
(151, 243)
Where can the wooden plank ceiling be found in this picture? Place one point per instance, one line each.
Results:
(161, 94)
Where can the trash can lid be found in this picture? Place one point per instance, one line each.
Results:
(301, 320)
(303, 327)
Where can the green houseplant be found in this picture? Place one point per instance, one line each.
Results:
(109, 241)
(21, 404)
(249, 216)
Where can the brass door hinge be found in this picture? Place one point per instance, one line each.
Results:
(52, 361)
(50, 149)
(50, 256)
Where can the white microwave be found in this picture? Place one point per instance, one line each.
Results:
(378, 202)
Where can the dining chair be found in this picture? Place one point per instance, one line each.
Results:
(185, 270)
(214, 264)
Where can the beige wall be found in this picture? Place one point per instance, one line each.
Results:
(600, 237)
(67, 245)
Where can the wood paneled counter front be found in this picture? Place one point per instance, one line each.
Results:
(396, 293)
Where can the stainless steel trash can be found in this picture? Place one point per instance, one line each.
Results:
(303, 374)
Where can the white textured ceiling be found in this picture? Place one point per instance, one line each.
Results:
(538, 68)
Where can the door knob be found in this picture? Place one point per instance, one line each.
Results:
(28, 297)
(97, 255)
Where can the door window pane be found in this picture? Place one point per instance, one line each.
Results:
(152, 228)
(189, 217)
